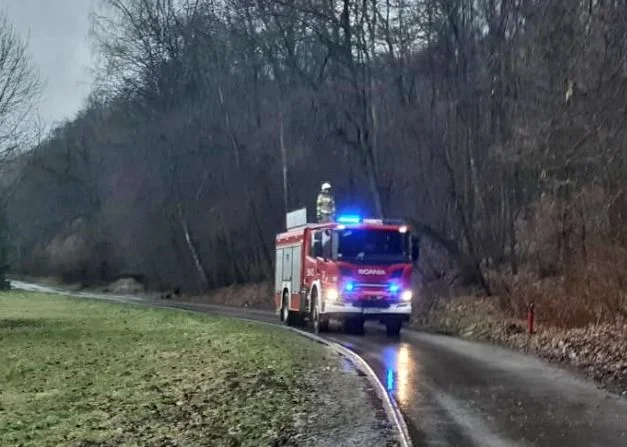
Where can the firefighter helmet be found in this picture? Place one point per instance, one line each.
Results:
(326, 186)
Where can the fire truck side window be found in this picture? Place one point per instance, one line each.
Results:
(326, 244)
(321, 244)
(316, 241)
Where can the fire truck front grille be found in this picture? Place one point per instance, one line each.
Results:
(372, 295)
(365, 285)
(381, 303)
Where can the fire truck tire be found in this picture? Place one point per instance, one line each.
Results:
(393, 328)
(320, 323)
(323, 324)
(288, 316)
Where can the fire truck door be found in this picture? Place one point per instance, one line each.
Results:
(314, 250)
(296, 270)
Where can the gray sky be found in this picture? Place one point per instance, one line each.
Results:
(60, 48)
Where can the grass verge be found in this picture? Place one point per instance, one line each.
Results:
(78, 372)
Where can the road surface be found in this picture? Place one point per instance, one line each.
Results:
(458, 393)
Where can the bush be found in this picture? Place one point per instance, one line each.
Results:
(572, 258)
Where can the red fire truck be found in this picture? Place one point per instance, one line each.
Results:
(351, 270)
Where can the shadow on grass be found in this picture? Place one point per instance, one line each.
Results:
(23, 324)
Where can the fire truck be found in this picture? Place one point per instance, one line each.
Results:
(351, 270)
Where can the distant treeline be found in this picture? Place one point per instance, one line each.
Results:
(497, 126)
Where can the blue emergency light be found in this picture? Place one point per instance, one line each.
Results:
(349, 219)
(349, 286)
(389, 379)
(393, 288)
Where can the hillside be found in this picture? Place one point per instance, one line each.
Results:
(497, 127)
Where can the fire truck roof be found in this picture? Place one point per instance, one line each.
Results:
(296, 234)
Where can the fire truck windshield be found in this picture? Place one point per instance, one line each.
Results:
(371, 246)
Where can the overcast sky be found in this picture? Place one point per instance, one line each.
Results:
(58, 38)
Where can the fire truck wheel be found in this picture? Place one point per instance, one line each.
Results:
(320, 323)
(323, 324)
(393, 328)
(288, 316)
(284, 311)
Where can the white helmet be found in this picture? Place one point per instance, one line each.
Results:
(326, 186)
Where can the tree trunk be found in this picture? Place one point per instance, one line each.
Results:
(374, 188)
(512, 237)
(283, 160)
(236, 151)
(191, 246)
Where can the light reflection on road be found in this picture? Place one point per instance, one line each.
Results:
(398, 371)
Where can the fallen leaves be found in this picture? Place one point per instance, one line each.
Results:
(598, 350)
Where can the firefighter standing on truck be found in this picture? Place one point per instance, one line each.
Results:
(325, 204)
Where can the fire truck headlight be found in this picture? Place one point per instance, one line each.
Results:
(406, 296)
(332, 295)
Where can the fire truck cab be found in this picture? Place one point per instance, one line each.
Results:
(351, 270)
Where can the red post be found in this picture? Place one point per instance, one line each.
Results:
(530, 318)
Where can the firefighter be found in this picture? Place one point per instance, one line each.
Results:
(325, 204)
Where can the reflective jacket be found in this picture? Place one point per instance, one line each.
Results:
(325, 207)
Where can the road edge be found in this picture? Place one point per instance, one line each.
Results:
(389, 403)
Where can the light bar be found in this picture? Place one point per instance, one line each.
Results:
(349, 219)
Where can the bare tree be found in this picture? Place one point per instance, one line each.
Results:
(498, 127)
(19, 87)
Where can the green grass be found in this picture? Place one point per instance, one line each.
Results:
(79, 372)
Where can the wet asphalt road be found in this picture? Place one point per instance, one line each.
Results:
(457, 393)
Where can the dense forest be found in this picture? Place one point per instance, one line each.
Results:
(498, 127)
